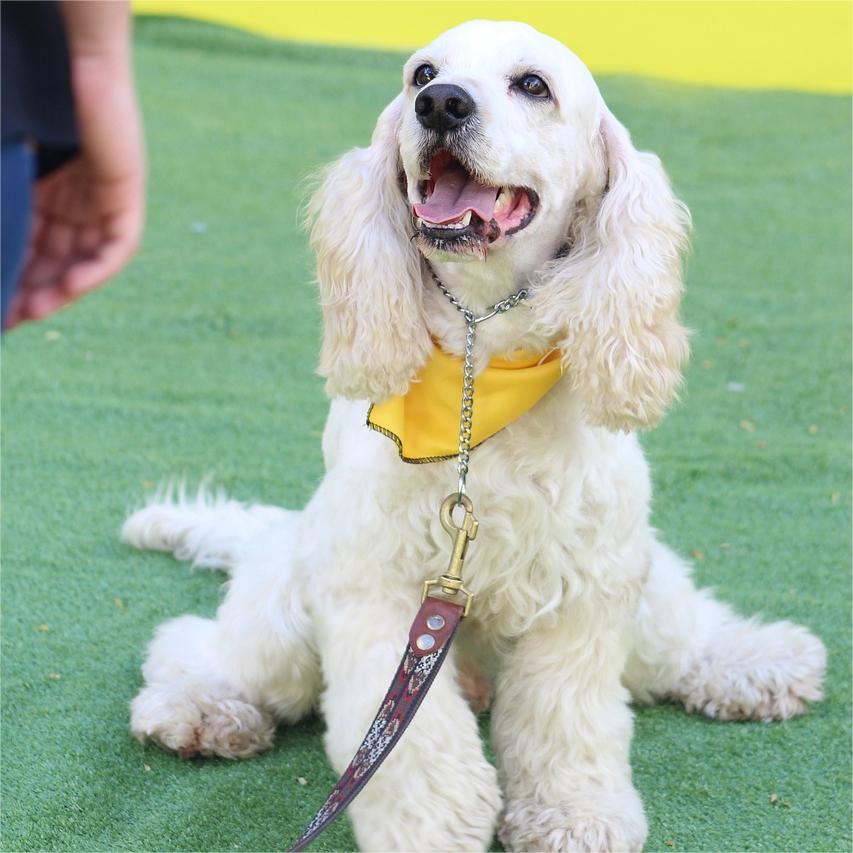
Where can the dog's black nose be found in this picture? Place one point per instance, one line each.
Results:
(442, 107)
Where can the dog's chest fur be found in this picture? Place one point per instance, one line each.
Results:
(547, 515)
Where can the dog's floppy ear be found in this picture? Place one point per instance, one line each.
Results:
(612, 301)
(369, 274)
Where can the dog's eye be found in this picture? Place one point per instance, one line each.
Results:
(533, 85)
(424, 74)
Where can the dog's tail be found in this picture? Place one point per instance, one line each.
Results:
(207, 528)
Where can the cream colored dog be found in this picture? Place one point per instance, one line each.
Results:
(502, 159)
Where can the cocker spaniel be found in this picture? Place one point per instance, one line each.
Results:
(498, 165)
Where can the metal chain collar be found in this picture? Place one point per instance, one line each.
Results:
(466, 417)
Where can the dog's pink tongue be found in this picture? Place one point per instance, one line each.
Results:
(455, 193)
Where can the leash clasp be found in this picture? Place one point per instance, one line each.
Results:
(451, 581)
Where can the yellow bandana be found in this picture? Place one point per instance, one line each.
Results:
(424, 422)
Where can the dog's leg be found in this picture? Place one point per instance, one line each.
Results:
(692, 648)
(189, 703)
(562, 730)
(436, 791)
(217, 686)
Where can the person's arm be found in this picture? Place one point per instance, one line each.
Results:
(89, 213)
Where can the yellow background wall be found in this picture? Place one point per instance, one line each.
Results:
(785, 44)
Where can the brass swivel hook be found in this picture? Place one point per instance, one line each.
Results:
(451, 581)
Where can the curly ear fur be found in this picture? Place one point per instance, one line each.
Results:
(369, 274)
(612, 302)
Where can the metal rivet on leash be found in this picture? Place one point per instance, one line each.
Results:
(425, 654)
(425, 642)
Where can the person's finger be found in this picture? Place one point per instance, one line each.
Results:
(41, 271)
(40, 303)
(14, 316)
(87, 240)
(88, 272)
(57, 239)
(37, 229)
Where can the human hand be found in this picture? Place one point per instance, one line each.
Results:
(88, 214)
(87, 227)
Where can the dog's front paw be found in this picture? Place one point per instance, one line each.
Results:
(592, 824)
(192, 723)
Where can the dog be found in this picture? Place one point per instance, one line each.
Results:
(497, 166)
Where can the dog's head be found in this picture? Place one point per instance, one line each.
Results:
(498, 129)
(501, 145)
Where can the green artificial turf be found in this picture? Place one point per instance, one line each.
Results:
(200, 360)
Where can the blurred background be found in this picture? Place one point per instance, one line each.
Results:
(199, 360)
(800, 45)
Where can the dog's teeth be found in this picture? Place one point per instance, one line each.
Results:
(464, 222)
(504, 199)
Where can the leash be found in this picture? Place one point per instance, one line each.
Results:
(437, 620)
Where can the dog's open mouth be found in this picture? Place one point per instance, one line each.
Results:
(458, 213)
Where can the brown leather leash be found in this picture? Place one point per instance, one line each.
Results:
(408, 688)
(430, 637)
(436, 622)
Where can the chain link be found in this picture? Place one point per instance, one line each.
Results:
(466, 417)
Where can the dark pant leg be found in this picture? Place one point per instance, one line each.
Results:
(16, 186)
